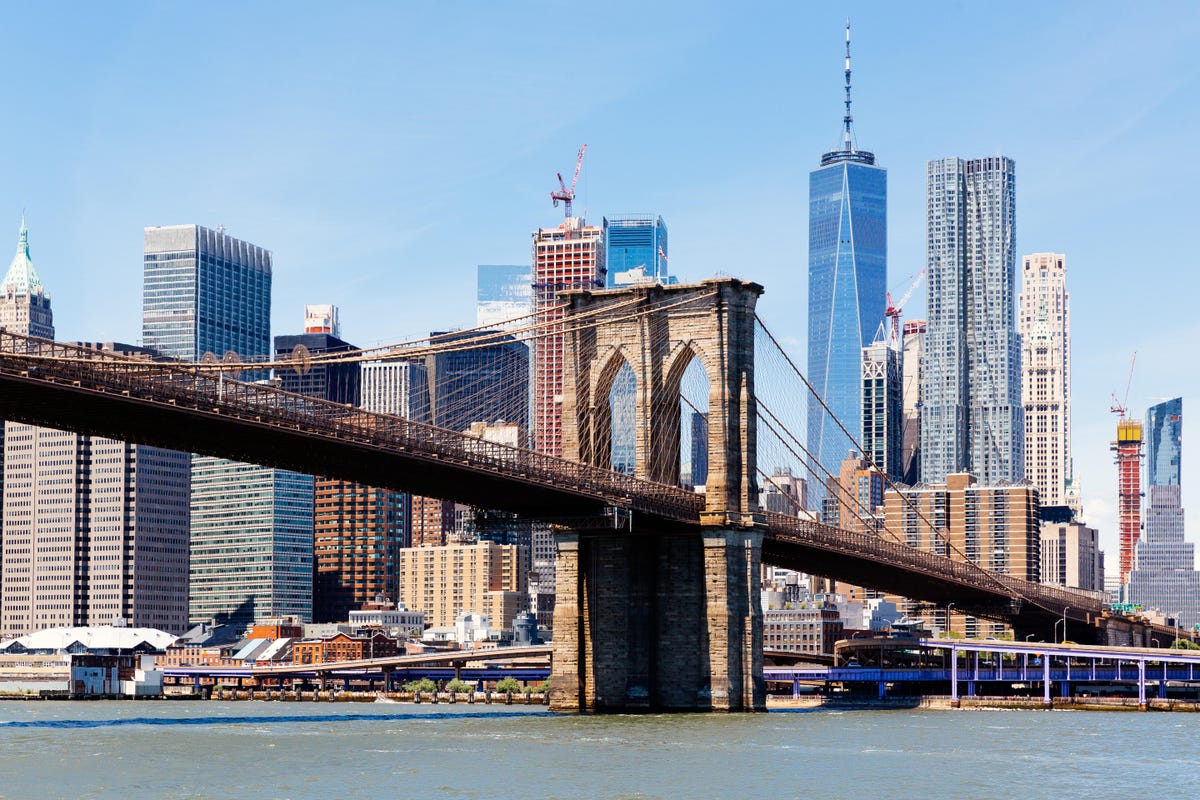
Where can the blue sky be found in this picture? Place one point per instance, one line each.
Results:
(383, 150)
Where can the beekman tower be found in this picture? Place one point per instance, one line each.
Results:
(847, 284)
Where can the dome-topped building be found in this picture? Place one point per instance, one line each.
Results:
(24, 301)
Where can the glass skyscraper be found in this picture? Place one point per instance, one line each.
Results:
(636, 241)
(1164, 443)
(251, 526)
(847, 286)
(972, 419)
(504, 293)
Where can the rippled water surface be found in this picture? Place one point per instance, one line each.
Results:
(293, 750)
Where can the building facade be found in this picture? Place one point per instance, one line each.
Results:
(912, 355)
(1044, 325)
(1164, 443)
(206, 292)
(483, 382)
(636, 249)
(972, 419)
(357, 529)
(810, 627)
(570, 256)
(1164, 574)
(443, 582)
(95, 530)
(995, 527)
(1071, 556)
(504, 296)
(847, 290)
(883, 407)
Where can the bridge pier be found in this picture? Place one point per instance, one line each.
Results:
(658, 622)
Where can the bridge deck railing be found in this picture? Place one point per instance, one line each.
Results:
(789, 528)
(181, 385)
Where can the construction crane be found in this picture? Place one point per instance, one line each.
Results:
(894, 309)
(563, 193)
(1120, 406)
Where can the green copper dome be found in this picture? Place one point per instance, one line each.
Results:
(22, 278)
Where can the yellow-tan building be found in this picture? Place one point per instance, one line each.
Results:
(994, 526)
(486, 578)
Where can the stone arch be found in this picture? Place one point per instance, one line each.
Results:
(711, 321)
(597, 449)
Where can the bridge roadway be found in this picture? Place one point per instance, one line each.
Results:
(179, 406)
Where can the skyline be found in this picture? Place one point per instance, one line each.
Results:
(356, 195)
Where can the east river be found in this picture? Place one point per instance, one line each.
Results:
(264, 750)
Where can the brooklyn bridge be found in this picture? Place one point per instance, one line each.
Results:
(657, 585)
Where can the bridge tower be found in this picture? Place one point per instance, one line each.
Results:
(651, 617)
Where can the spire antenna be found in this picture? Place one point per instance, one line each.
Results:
(848, 119)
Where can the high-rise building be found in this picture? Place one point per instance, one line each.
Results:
(504, 299)
(1164, 443)
(1044, 325)
(847, 284)
(783, 493)
(443, 582)
(637, 249)
(95, 530)
(395, 387)
(882, 407)
(251, 542)
(1128, 447)
(24, 301)
(699, 459)
(483, 383)
(570, 256)
(1164, 574)
(971, 414)
(1071, 556)
(853, 501)
(913, 352)
(995, 527)
(357, 529)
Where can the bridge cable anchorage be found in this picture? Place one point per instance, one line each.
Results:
(937, 531)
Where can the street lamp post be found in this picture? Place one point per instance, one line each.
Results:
(948, 607)
(1030, 636)
(1176, 642)
(1064, 622)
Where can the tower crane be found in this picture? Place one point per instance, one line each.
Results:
(1122, 405)
(563, 193)
(894, 309)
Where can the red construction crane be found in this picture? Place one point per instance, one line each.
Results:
(563, 193)
(1120, 406)
(894, 309)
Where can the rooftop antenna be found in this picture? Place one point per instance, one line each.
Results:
(848, 119)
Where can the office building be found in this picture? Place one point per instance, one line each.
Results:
(486, 382)
(699, 459)
(95, 530)
(443, 582)
(847, 284)
(996, 527)
(1164, 443)
(1164, 574)
(570, 256)
(504, 299)
(784, 493)
(853, 501)
(395, 387)
(357, 529)
(882, 407)
(912, 354)
(637, 250)
(251, 539)
(972, 419)
(808, 627)
(1071, 556)
(1044, 325)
